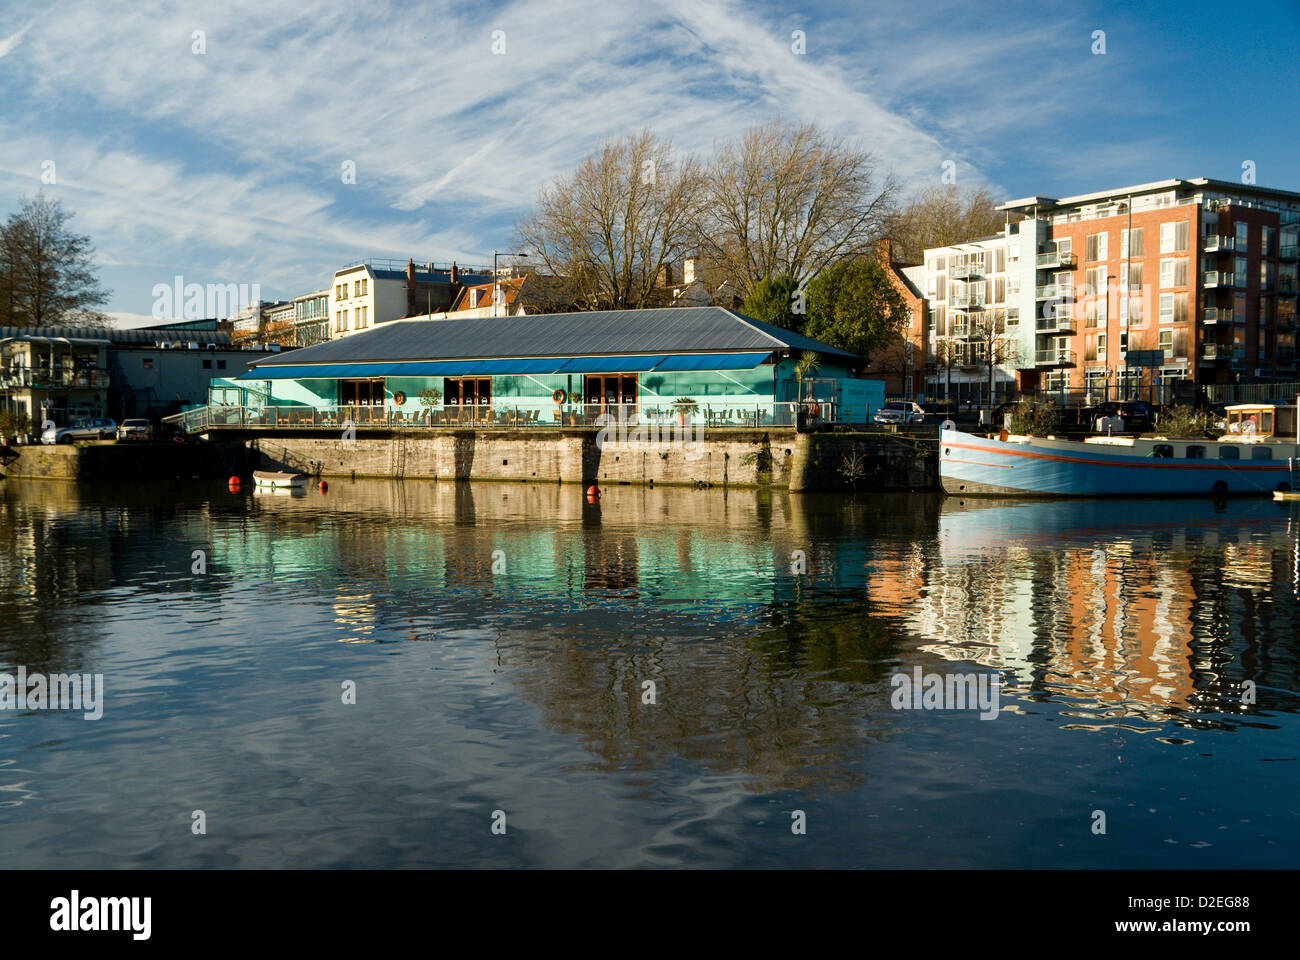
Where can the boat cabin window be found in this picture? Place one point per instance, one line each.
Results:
(1265, 423)
(1229, 453)
(1162, 450)
(1261, 453)
(1195, 452)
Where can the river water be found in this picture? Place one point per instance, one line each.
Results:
(667, 677)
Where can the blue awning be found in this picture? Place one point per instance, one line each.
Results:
(611, 364)
(488, 368)
(713, 361)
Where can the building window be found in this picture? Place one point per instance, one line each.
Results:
(1239, 308)
(147, 363)
(1166, 342)
(361, 393)
(221, 364)
(1095, 247)
(1239, 279)
(1166, 308)
(1130, 242)
(207, 364)
(1243, 236)
(1101, 347)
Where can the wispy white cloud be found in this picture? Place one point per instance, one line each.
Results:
(7, 44)
(229, 160)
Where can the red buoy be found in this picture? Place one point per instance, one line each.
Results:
(322, 486)
(593, 491)
(233, 481)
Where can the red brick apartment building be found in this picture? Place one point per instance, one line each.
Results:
(1123, 292)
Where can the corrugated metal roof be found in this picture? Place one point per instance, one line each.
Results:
(598, 333)
(134, 335)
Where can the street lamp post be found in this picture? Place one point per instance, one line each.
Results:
(496, 280)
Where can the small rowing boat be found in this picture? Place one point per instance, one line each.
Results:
(269, 478)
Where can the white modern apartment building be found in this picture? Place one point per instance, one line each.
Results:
(376, 291)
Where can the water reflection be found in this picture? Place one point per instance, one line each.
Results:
(504, 634)
(1150, 610)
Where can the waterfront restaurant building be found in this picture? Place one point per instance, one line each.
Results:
(710, 364)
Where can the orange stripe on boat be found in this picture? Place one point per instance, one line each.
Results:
(1143, 462)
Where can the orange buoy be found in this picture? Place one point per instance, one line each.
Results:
(233, 481)
(322, 486)
(593, 491)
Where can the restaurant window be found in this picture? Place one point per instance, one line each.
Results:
(361, 393)
(467, 391)
(607, 390)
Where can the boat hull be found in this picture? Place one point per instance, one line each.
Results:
(971, 465)
(278, 480)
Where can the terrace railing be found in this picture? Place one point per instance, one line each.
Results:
(729, 413)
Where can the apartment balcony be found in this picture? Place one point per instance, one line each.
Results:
(1057, 324)
(1053, 291)
(1056, 357)
(1218, 278)
(1222, 351)
(966, 301)
(1217, 244)
(1285, 323)
(964, 331)
(1289, 252)
(1213, 315)
(21, 377)
(1055, 258)
(965, 271)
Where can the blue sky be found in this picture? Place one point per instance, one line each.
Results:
(225, 166)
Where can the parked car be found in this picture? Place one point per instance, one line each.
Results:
(1138, 415)
(99, 428)
(135, 430)
(900, 411)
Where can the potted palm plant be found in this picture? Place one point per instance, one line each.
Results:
(685, 408)
(807, 363)
(430, 398)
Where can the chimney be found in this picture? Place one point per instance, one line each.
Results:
(688, 270)
(885, 252)
(455, 274)
(410, 288)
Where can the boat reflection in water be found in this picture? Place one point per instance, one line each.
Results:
(1140, 610)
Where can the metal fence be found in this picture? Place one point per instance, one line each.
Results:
(753, 414)
(1169, 393)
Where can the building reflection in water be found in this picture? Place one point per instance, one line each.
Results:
(1131, 610)
(1132, 615)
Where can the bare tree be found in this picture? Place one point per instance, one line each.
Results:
(941, 215)
(791, 199)
(47, 275)
(986, 333)
(613, 226)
